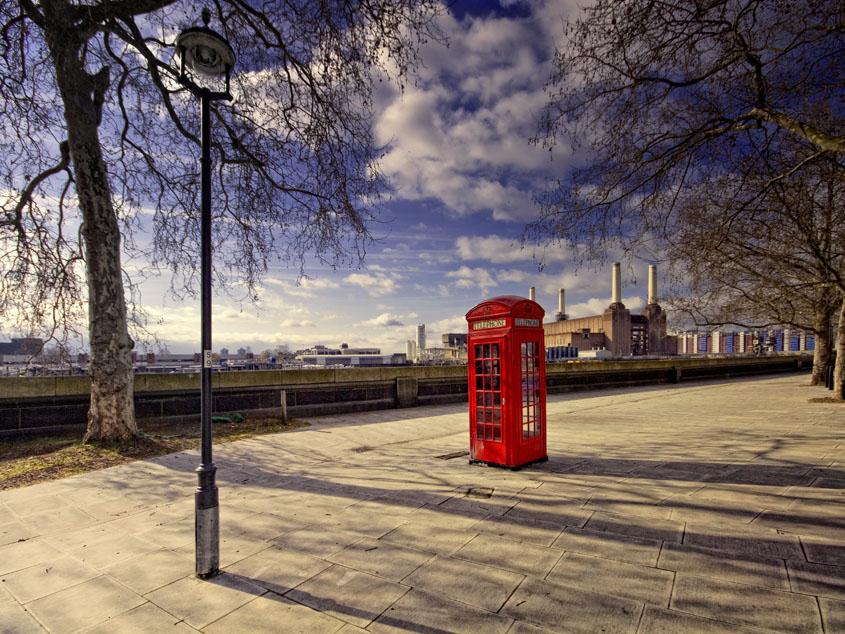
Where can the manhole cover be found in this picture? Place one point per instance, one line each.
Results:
(362, 449)
(480, 492)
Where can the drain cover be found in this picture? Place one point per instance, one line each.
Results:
(480, 492)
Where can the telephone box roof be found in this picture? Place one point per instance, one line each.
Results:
(506, 305)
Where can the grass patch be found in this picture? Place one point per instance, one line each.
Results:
(32, 460)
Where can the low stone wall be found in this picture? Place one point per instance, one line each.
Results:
(40, 404)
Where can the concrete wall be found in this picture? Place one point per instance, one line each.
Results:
(29, 404)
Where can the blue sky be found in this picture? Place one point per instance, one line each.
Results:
(464, 175)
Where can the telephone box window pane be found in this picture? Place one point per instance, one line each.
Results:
(530, 366)
(488, 398)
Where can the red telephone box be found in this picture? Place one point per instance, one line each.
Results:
(507, 382)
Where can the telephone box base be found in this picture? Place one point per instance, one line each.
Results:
(510, 467)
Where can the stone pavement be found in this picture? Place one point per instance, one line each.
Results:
(710, 507)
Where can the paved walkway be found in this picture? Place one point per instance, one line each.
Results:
(712, 507)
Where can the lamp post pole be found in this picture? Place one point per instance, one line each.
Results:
(207, 515)
(210, 55)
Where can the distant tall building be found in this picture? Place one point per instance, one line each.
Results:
(411, 350)
(421, 337)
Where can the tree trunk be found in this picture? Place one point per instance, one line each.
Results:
(839, 369)
(111, 416)
(822, 350)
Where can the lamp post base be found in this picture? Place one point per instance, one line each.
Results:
(207, 524)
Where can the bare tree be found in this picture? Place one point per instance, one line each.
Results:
(778, 261)
(100, 142)
(664, 100)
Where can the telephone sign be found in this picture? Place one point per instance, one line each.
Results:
(507, 382)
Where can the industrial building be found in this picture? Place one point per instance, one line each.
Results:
(616, 329)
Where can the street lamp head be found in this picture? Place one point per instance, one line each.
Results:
(205, 52)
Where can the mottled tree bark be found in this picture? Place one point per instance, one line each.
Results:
(111, 415)
(822, 351)
(839, 369)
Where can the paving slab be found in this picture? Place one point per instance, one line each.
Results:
(567, 609)
(83, 605)
(520, 530)
(347, 594)
(521, 557)
(143, 619)
(272, 614)
(660, 621)
(817, 579)
(201, 602)
(728, 566)
(609, 545)
(16, 531)
(278, 569)
(833, 615)
(637, 526)
(744, 540)
(15, 619)
(27, 553)
(824, 551)
(742, 604)
(381, 558)
(46, 578)
(489, 590)
(629, 581)
(151, 570)
(426, 613)
(429, 538)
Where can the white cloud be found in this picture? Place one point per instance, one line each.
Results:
(385, 320)
(461, 134)
(470, 278)
(498, 250)
(597, 306)
(294, 323)
(375, 285)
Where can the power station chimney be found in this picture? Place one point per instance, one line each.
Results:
(652, 284)
(560, 315)
(616, 296)
(531, 294)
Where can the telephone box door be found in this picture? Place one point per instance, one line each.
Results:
(486, 433)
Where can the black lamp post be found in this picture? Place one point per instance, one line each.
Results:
(208, 54)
